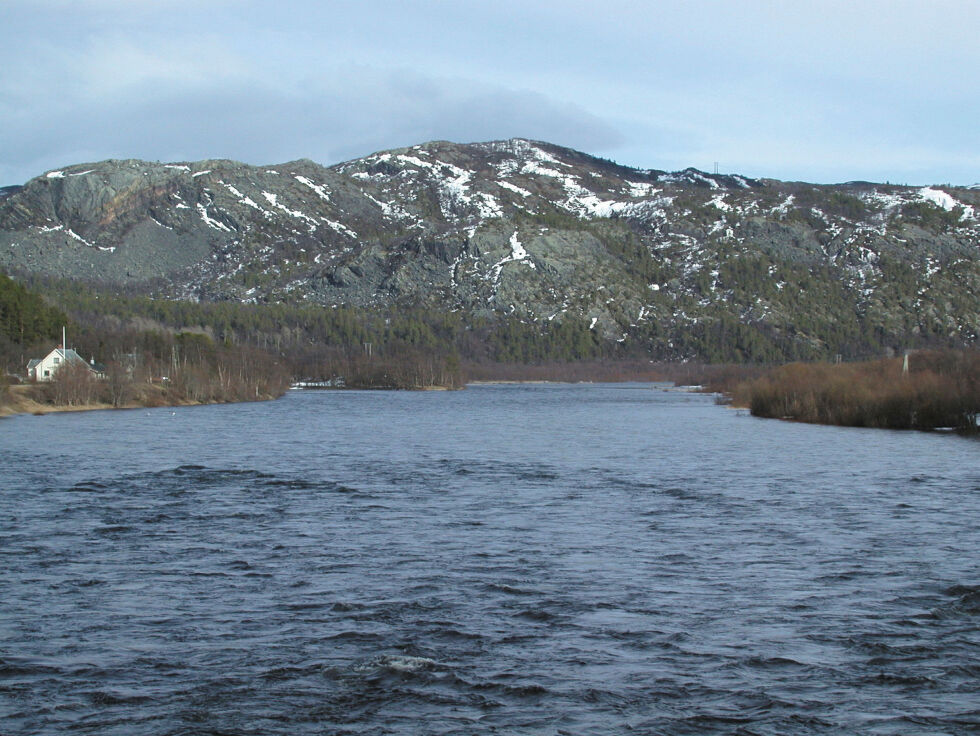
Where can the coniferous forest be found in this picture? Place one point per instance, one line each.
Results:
(403, 348)
(157, 351)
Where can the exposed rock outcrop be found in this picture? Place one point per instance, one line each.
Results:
(514, 227)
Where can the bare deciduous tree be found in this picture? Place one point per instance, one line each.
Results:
(118, 384)
(73, 384)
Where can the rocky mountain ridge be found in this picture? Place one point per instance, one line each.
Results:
(520, 228)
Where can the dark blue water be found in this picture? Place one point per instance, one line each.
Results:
(506, 559)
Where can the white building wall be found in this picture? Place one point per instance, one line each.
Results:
(45, 370)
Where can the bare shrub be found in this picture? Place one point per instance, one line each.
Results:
(942, 389)
(73, 385)
(118, 387)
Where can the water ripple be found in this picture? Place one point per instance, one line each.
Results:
(540, 560)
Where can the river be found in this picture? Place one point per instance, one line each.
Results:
(511, 559)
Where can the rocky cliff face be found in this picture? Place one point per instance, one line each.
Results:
(515, 227)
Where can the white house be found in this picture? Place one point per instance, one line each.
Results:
(44, 369)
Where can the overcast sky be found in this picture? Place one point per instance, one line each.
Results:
(824, 91)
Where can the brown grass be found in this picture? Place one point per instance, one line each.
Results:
(941, 389)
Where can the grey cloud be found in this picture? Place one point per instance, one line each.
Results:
(813, 90)
(349, 112)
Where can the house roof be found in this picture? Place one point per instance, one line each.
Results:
(33, 362)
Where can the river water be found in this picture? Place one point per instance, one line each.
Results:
(522, 559)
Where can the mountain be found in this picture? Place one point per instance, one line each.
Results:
(527, 229)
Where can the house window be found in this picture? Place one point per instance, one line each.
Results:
(47, 373)
(57, 360)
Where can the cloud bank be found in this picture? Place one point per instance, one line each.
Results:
(825, 91)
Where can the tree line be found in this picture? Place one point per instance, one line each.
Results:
(26, 318)
(143, 365)
(220, 351)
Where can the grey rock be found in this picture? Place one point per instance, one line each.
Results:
(510, 227)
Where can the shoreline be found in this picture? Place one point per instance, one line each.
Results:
(20, 405)
(515, 382)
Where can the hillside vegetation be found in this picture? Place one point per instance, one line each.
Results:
(26, 319)
(542, 252)
(146, 367)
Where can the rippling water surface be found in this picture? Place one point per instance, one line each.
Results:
(506, 559)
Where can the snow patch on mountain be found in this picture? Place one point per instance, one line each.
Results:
(938, 198)
(691, 176)
(273, 199)
(718, 201)
(533, 167)
(72, 234)
(584, 202)
(340, 228)
(783, 208)
(514, 188)
(706, 180)
(945, 201)
(545, 157)
(640, 189)
(247, 201)
(885, 201)
(321, 191)
(517, 254)
(395, 210)
(209, 221)
(453, 185)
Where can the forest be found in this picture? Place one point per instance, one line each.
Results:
(408, 347)
(147, 366)
(311, 339)
(160, 351)
(213, 351)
